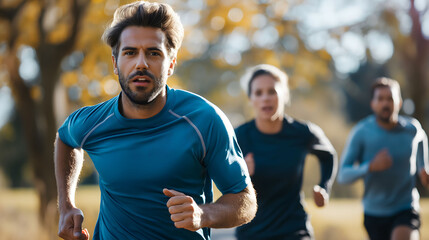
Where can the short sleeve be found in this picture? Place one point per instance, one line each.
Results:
(74, 129)
(67, 131)
(224, 159)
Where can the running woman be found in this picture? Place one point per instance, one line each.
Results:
(275, 147)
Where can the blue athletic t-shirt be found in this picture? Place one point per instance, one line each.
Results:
(393, 190)
(185, 146)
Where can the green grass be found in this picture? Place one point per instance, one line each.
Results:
(341, 219)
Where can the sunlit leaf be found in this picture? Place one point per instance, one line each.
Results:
(69, 79)
(4, 30)
(61, 32)
(36, 93)
(174, 82)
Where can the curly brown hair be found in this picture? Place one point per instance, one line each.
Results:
(382, 82)
(145, 14)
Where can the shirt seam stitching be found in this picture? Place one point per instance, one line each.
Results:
(195, 128)
(93, 129)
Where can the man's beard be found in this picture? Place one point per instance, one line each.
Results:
(385, 117)
(140, 97)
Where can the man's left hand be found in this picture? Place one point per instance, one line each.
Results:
(184, 211)
(424, 178)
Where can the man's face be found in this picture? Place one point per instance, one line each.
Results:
(385, 104)
(143, 63)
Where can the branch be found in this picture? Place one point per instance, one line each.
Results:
(63, 48)
(417, 32)
(42, 33)
(78, 9)
(10, 13)
(25, 105)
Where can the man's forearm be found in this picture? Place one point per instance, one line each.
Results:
(230, 210)
(68, 164)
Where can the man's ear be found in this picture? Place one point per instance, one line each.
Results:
(400, 103)
(372, 105)
(171, 67)
(115, 65)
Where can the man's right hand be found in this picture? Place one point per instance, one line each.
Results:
(381, 161)
(70, 226)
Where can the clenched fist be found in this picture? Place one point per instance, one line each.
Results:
(381, 161)
(184, 211)
(321, 197)
(70, 226)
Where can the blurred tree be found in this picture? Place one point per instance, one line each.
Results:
(405, 26)
(390, 39)
(12, 153)
(225, 37)
(415, 59)
(411, 54)
(50, 28)
(357, 90)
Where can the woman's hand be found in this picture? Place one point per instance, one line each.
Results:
(321, 197)
(250, 163)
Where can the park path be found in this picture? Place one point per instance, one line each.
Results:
(223, 234)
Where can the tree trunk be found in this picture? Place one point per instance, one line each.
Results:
(416, 62)
(49, 68)
(417, 74)
(37, 115)
(39, 130)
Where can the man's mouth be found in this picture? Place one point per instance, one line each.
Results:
(141, 81)
(386, 110)
(141, 77)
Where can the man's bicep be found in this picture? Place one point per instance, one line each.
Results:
(65, 154)
(244, 195)
(248, 191)
(62, 147)
(224, 160)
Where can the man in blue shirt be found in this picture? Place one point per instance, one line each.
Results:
(156, 149)
(387, 150)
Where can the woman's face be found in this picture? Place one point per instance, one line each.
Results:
(267, 97)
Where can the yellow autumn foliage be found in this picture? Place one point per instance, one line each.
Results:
(69, 79)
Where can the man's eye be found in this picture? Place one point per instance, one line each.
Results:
(129, 53)
(272, 92)
(155, 54)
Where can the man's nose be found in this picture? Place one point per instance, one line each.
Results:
(385, 102)
(141, 61)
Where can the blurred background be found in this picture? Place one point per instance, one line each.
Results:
(52, 62)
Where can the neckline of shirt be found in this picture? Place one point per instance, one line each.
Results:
(401, 124)
(148, 122)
